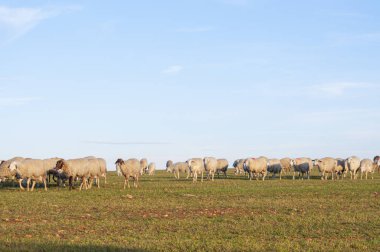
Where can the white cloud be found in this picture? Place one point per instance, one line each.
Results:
(337, 88)
(18, 21)
(175, 69)
(195, 29)
(16, 101)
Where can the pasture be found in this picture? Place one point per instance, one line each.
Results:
(164, 214)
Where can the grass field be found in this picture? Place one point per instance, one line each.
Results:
(164, 214)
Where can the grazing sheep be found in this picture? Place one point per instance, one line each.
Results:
(256, 166)
(210, 164)
(178, 167)
(366, 166)
(80, 168)
(326, 165)
(130, 168)
(196, 166)
(274, 166)
(239, 166)
(352, 164)
(340, 169)
(151, 169)
(168, 164)
(4, 168)
(222, 166)
(302, 166)
(143, 165)
(285, 165)
(29, 169)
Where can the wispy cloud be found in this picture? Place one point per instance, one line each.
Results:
(125, 143)
(18, 21)
(337, 88)
(195, 29)
(175, 69)
(16, 101)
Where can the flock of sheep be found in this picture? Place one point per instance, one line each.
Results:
(260, 167)
(89, 170)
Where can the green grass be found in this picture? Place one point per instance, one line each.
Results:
(164, 214)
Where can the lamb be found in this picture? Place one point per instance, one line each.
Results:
(222, 166)
(29, 169)
(196, 166)
(210, 165)
(178, 167)
(80, 168)
(130, 168)
(366, 166)
(353, 164)
(256, 166)
(302, 166)
(325, 166)
(151, 169)
(274, 166)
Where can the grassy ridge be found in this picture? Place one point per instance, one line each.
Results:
(231, 214)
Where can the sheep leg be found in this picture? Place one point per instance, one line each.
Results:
(20, 183)
(45, 186)
(366, 175)
(125, 182)
(294, 175)
(178, 174)
(33, 185)
(202, 176)
(195, 176)
(28, 184)
(98, 182)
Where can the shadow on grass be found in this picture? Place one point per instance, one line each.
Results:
(62, 247)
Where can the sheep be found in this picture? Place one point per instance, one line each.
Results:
(376, 160)
(196, 166)
(274, 166)
(239, 166)
(4, 168)
(168, 164)
(178, 167)
(210, 164)
(222, 166)
(143, 165)
(58, 176)
(80, 168)
(366, 166)
(285, 165)
(29, 169)
(103, 170)
(340, 168)
(326, 165)
(302, 166)
(256, 166)
(151, 169)
(129, 168)
(352, 164)
(97, 169)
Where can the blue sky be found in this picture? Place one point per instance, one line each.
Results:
(180, 79)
